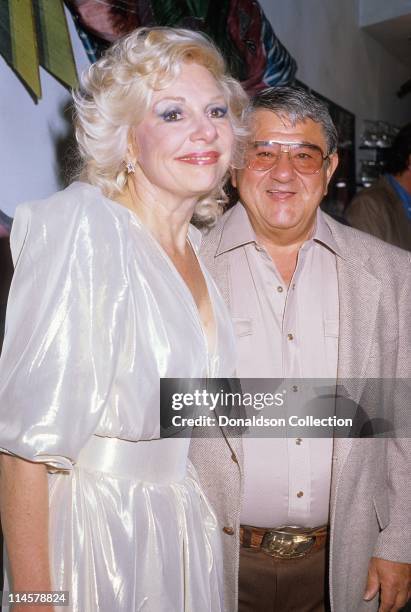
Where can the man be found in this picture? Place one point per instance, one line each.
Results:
(384, 209)
(309, 298)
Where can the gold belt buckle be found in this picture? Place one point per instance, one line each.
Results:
(284, 544)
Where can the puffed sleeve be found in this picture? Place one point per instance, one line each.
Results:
(63, 325)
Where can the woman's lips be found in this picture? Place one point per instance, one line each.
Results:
(200, 159)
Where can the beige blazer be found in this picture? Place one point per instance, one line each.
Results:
(370, 512)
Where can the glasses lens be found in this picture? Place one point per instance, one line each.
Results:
(306, 160)
(263, 157)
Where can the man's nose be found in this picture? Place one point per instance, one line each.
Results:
(283, 170)
(203, 129)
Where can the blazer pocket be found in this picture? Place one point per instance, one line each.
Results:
(242, 327)
(381, 509)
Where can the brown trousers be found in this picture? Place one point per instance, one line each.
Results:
(267, 584)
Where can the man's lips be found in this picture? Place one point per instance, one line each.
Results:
(203, 158)
(280, 194)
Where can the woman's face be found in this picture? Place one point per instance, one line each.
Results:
(183, 144)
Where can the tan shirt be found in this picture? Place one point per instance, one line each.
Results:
(284, 333)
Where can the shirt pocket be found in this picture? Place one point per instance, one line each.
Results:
(331, 328)
(242, 326)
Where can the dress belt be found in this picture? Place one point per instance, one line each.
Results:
(159, 461)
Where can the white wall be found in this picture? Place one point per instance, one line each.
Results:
(373, 11)
(29, 132)
(338, 59)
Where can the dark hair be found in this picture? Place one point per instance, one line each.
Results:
(398, 158)
(297, 104)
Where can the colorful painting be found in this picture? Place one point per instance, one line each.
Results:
(239, 28)
(34, 33)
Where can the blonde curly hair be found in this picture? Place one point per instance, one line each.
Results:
(115, 94)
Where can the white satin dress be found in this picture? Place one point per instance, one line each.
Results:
(97, 314)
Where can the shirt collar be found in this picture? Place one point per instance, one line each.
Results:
(323, 234)
(238, 231)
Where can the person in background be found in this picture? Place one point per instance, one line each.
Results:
(384, 209)
(108, 296)
(309, 298)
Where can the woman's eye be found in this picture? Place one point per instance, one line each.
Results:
(172, 115)
(218, 112)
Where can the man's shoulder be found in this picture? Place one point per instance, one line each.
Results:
(362, 246)
(212, 235)
(219, 225)
(379, 257)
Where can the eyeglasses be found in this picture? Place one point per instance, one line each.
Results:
(306, 158)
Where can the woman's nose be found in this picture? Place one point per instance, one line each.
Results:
(204, 129)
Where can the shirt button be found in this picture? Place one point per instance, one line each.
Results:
(228, 530)
(280, 289)
(298, 441)
(300, 494)
(290, 336)
(293, 286)
(295, 388)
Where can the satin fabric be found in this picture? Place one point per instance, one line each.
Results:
(97, 314)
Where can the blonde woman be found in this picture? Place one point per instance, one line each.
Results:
(108, 296)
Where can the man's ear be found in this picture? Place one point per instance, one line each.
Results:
(332, 166)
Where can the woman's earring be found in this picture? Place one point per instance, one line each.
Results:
(130, 167)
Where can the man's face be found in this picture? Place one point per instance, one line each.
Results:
(281, 199)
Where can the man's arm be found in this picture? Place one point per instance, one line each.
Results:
(389, 570)
(393, 579)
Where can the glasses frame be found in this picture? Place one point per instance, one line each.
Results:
(286, 147)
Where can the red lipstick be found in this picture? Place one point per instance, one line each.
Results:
(200, 158)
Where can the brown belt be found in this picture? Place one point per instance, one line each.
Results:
(284, 542)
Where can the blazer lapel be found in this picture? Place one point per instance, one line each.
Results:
(218, 266)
